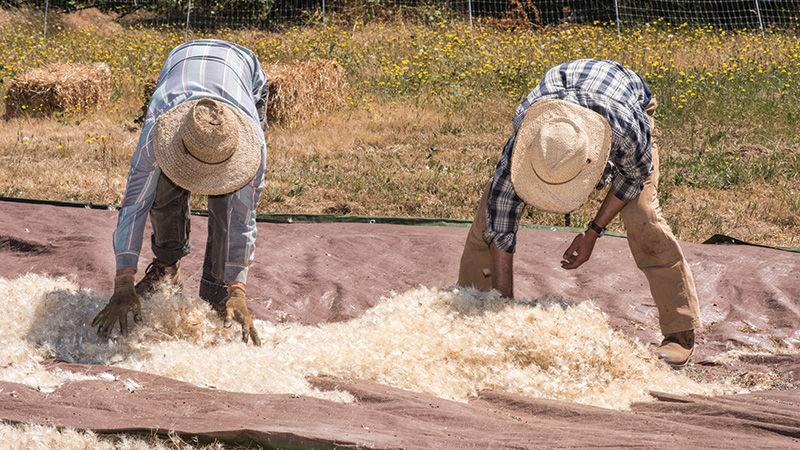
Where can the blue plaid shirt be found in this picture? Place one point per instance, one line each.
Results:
(608, 88)
(205, 68)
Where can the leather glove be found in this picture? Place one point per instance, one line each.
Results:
(236, 308)
(123, 301)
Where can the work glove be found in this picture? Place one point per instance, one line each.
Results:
(236, 309)
(123, 301)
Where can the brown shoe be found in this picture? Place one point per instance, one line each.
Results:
(676, 349)
(155, 273)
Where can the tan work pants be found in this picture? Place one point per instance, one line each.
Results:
(655, 250)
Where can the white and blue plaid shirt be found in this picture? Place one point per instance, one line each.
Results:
(204, 68)
(608, 88)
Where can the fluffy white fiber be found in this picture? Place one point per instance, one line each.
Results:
(450, 343)
(36, 437)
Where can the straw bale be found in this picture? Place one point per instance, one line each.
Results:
(148, 88)
(450, 343)
(92, 19)
(59, 87)
(299, 92)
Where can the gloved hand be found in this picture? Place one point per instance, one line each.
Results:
(236, 308)
(123, 301)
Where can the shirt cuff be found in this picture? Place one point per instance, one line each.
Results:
(624, 189)
(506, 242)
(127, 261)
(236, 273)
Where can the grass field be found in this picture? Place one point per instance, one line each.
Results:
(427, 109)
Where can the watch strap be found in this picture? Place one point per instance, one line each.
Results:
(597, 228)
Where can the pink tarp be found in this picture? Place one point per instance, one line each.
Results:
(315, 273)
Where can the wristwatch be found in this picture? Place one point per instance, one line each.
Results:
(597, 229)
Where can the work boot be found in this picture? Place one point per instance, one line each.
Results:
(155, 273)
(676, 349)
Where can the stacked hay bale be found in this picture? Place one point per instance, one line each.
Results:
(298, 92)
(148, 88)
(59, 87)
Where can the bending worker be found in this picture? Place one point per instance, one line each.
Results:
(203, 134)
(586, 125)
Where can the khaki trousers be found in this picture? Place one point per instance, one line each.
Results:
(653, 246)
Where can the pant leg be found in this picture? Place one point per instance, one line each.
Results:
(212, 283)
(169, 217)
(476, 262)
(659, 256)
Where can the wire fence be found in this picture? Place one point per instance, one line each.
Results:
(273, 14)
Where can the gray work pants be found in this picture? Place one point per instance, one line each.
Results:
(170, 219)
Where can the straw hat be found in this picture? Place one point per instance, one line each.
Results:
(207, 147)
(559, 155)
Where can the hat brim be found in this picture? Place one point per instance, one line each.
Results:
(198, 177)
(564, 197)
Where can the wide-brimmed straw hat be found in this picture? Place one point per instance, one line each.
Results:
(559, 155)
(207, 147)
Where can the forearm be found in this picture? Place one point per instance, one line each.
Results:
(611, 206)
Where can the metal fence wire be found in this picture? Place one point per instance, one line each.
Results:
(204, 15)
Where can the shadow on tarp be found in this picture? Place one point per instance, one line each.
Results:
(717, 239)
(238, 439)
(721, 239)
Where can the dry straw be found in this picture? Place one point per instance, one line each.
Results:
(301, 91)
(59, 87)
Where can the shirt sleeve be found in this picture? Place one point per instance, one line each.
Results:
(242, 228)
(139, 194)
(633, 156)
(504, 208)
(242, 231)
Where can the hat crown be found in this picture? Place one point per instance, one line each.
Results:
(560, 150)
(209, 132)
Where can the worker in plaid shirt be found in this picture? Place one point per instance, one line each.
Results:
(211, 96)
(587, 125)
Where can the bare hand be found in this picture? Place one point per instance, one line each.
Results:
(236, 308)
(123, 301)
(579, 251)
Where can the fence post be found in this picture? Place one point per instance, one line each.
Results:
(616, 11)
(46, 9)
(323, 13)
(760, 24)
(469, 9)
(188, 12)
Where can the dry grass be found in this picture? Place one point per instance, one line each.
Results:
(75, 159)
